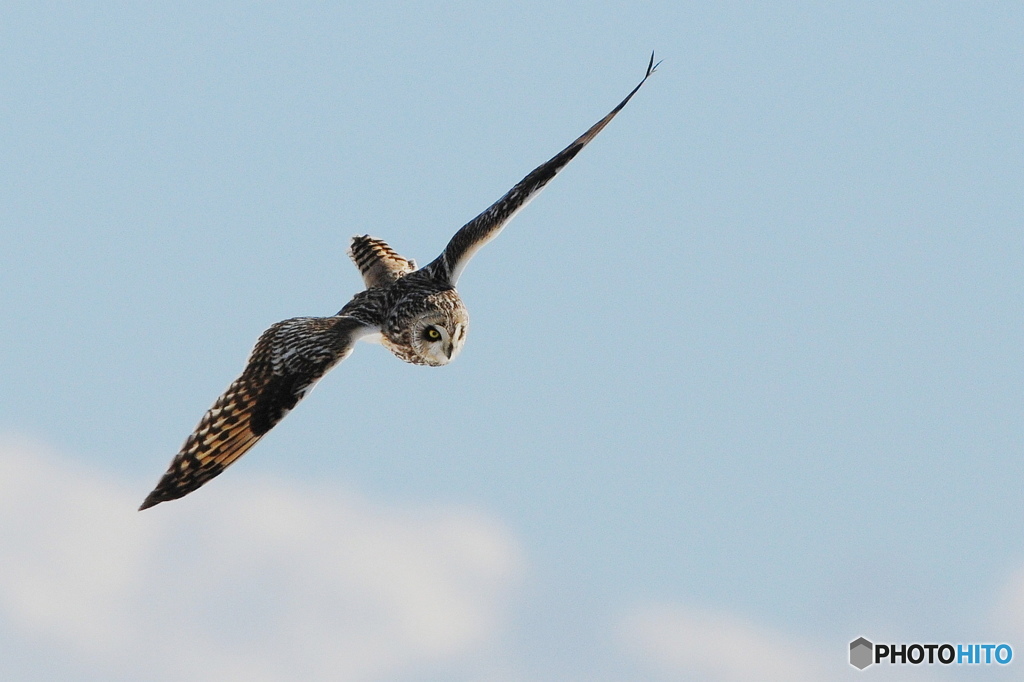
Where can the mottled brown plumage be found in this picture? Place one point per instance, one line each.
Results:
(288, 360)
(417, 314)
(379, 264)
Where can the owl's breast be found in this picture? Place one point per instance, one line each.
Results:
(402, 349)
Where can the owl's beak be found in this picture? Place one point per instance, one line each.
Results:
(448, 350)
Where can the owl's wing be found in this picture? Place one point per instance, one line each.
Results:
(378, 263)
(288, 360)
(486, 226)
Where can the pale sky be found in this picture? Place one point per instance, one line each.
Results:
(742, 385)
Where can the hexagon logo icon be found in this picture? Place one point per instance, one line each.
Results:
(861, 651)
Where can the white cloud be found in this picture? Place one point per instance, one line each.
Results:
(255, 581)
(1007, 615)
(705, 645)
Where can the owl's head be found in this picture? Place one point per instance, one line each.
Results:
(428, 325)
(437, 336)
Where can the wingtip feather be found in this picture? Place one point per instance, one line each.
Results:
(652, 66)
(149, 502)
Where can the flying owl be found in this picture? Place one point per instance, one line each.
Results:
(414, 313)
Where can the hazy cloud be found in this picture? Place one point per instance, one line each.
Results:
(681, 643)
(1007, 615)
(255, 581)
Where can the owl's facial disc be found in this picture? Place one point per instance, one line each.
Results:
(440, 341)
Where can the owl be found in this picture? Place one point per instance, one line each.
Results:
(416, 313)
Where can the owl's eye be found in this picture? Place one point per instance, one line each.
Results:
(431, 334)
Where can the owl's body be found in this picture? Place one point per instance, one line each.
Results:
(404, 309)
(415, 313)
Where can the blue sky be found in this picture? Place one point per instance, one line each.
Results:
(748, 371)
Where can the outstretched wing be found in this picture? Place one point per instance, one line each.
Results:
(288, 360)
(486, 226)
